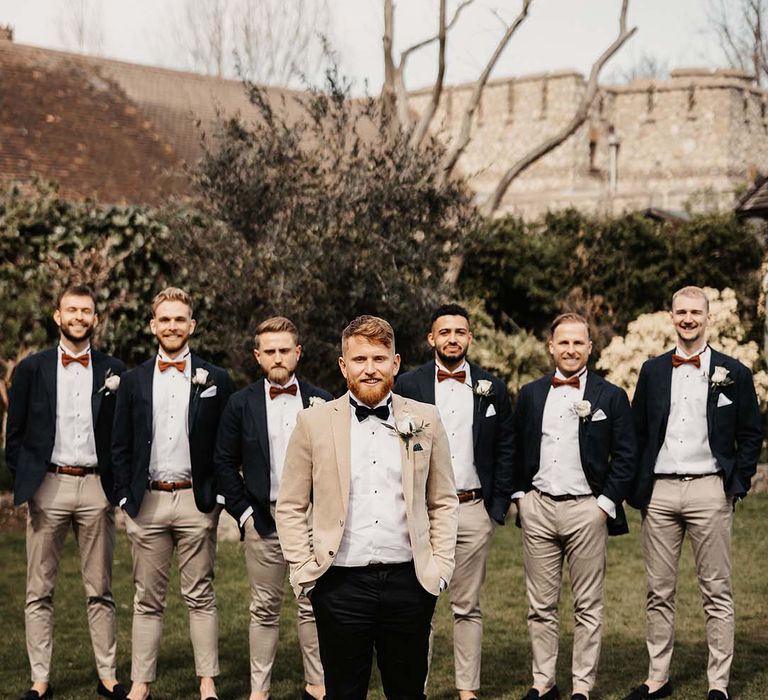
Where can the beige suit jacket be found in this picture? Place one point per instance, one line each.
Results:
(317, 471)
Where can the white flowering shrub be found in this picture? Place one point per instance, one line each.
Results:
(653, 334)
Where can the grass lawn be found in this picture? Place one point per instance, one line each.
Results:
(506, 663)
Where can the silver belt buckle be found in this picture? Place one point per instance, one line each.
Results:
(686, 478)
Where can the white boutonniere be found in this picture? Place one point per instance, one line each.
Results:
(200, 380)
(315, 401)
(111, 383)
(720, 378)
(484, 387)
(583, 409)
(407, 429)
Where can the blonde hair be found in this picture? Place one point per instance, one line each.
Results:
(569, 317)
(172, 294)
(277, 324)
(372, 328)
(694, 292)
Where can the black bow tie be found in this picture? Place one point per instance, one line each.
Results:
(362, 412)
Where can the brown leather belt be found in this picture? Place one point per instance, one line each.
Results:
(562, 497)
(471, 495)
(71, 470)
(169, 485)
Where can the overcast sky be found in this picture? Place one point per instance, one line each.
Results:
(560, 34)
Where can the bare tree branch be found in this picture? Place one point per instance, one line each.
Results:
(437, 90)
(81, 26)
(423, 44)
(465, 131)
(580, 116)
(739, 27)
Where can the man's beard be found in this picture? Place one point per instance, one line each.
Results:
(172, 344)
(279, 375)
(371, 395)
(72, 338)
(451, 360)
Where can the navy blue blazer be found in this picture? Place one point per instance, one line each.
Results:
(31, 426)
(735, 430)
(132, 434)
(243, 441)
(492, 435)
(607, 448)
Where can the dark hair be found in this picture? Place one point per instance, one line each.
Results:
(449, 310)
(78, 290)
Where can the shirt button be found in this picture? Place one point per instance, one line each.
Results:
(374, 461)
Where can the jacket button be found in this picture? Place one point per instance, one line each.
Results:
(330, 553)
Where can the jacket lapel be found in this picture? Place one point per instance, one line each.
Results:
(478, 403)
(50, 367)
(592, 392)
(537, 414)
(715, 358)
(341, 438)
(194, 394)
(258, 403)
(146, 375)
(399, 410)
(98, 381)
(665, 393)
(427, 382)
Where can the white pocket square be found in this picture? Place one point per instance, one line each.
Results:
(210, 391)
(599, 414)
(490, 412)
(723, 400)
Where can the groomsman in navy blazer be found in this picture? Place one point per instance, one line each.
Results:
(253, 436)
(475, 409)
(59, 427)
(166, 419)
(574, 464)
(700, 435)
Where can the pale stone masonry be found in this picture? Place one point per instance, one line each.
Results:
(696, 140)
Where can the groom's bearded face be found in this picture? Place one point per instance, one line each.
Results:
(172, 324)
(450, 338)
(76, 317)
(369, 368)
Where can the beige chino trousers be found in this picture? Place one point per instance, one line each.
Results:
(63, 502)
(266, 574)
(700, 508)
(168, 521)
(553, 532)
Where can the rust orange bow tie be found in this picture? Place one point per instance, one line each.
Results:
(275, 391)
(678, 360)
(459, 376)
(67, 360)
(163, 365)
(573, 381)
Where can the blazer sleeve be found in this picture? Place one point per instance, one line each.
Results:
(293, 499)
(749, 433)
(122, 440)
(623, 449)
(442, 504)
(503, 486)
(228, 458)
(18, 409)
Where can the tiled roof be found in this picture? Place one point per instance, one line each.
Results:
(113, 131)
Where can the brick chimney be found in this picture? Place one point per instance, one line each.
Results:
(6, 32)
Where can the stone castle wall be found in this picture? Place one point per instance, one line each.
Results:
(692, 141)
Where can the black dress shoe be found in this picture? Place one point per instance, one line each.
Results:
(642, 692)
(34, 695)
(552, 694)
(578, 696)
(119, 692)
(717, 695)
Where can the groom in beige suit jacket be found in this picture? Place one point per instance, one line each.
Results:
(378, 545)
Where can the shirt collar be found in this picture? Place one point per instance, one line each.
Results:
(581, 375)
(183, 355)
(702, 351)
(387, 399)
(290, 382)
(64, 351)
(463, 366)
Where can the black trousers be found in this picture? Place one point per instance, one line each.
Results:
(381, 607)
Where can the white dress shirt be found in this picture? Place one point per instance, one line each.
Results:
(282, 412)
(560, 469)
(74, 441)
(170, 459)
(376, 530)
(686, 447)
(456, 405)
